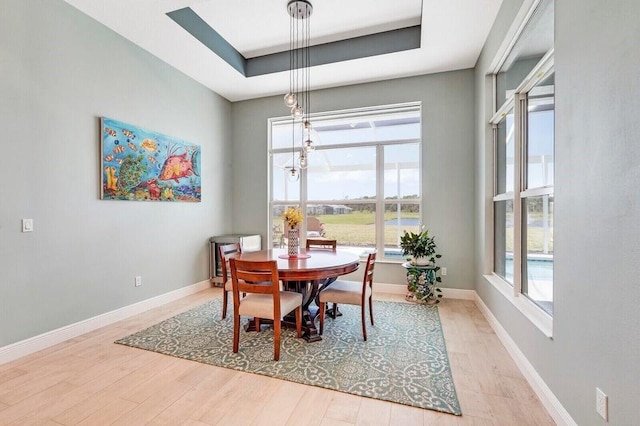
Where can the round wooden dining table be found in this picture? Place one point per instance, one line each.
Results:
(305, 274)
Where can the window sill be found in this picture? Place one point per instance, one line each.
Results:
(535, 314)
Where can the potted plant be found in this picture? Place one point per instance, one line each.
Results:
(422, 272)
(421, 247)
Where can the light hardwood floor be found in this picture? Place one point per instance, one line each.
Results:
(90, 380)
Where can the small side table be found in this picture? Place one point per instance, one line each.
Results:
(421, 281)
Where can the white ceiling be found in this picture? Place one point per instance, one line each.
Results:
(453, 33)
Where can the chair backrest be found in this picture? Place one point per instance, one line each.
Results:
(224, 251)
(314, 224)
(259, 277)
(368, 271)
(321, 244)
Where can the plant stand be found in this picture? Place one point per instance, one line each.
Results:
(421, 284)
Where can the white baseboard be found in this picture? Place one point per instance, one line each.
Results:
(553, 406)
(37, 343)
(458, 293)
(447, 293)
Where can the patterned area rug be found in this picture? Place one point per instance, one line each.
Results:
(404, 359)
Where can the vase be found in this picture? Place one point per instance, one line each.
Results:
(422, 261)
(294, 243)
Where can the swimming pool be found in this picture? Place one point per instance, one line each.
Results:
(537, 269)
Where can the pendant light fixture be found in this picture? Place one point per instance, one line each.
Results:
(298, 99)
(294, 174)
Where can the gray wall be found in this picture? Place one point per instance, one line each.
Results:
(448, 180)
(596, 338)
(59, 72)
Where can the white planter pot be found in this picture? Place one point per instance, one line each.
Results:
(421, 261)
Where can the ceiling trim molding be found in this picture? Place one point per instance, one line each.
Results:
(343, 50)
(198, 28)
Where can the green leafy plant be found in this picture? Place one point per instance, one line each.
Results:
(422, 281)
(419, 245)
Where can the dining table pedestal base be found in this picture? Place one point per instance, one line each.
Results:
(309, 291)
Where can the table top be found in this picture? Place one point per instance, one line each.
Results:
(319, 265)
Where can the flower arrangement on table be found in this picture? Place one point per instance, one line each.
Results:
(293, 217)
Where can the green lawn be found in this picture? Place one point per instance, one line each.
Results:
(358, 228)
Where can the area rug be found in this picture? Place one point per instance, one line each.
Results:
(404, 359)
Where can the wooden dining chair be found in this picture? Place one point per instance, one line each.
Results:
(321, 244)
(260, 282)
(327, 245)
(351, 293)
(224, 251)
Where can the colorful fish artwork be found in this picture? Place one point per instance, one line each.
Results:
(176, 167)
(112, 179)
(149, 167)
(149, 145)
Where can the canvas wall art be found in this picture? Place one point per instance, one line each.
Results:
(143, 165)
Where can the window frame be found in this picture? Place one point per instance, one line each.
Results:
(517, 100)
(379, 146)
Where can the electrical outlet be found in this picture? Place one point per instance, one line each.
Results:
(27, 225)
(602, 404)
(443, 271)
(138, 281)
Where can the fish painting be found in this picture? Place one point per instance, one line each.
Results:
(176, 167)
(143, 165)
(151, 185)
(149, 145)
(112, 178)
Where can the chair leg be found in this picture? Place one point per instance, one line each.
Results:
(276, 339)
(236, 333)
(299, 321)
(364, 324)
(322, 305)
(371, 308)
(224, 302)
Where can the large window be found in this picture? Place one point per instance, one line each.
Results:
(361, 186)
(524, 162)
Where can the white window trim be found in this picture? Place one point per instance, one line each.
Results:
(534, 313)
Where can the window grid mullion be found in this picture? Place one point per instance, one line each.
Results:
(380, 199)
(520, 138)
